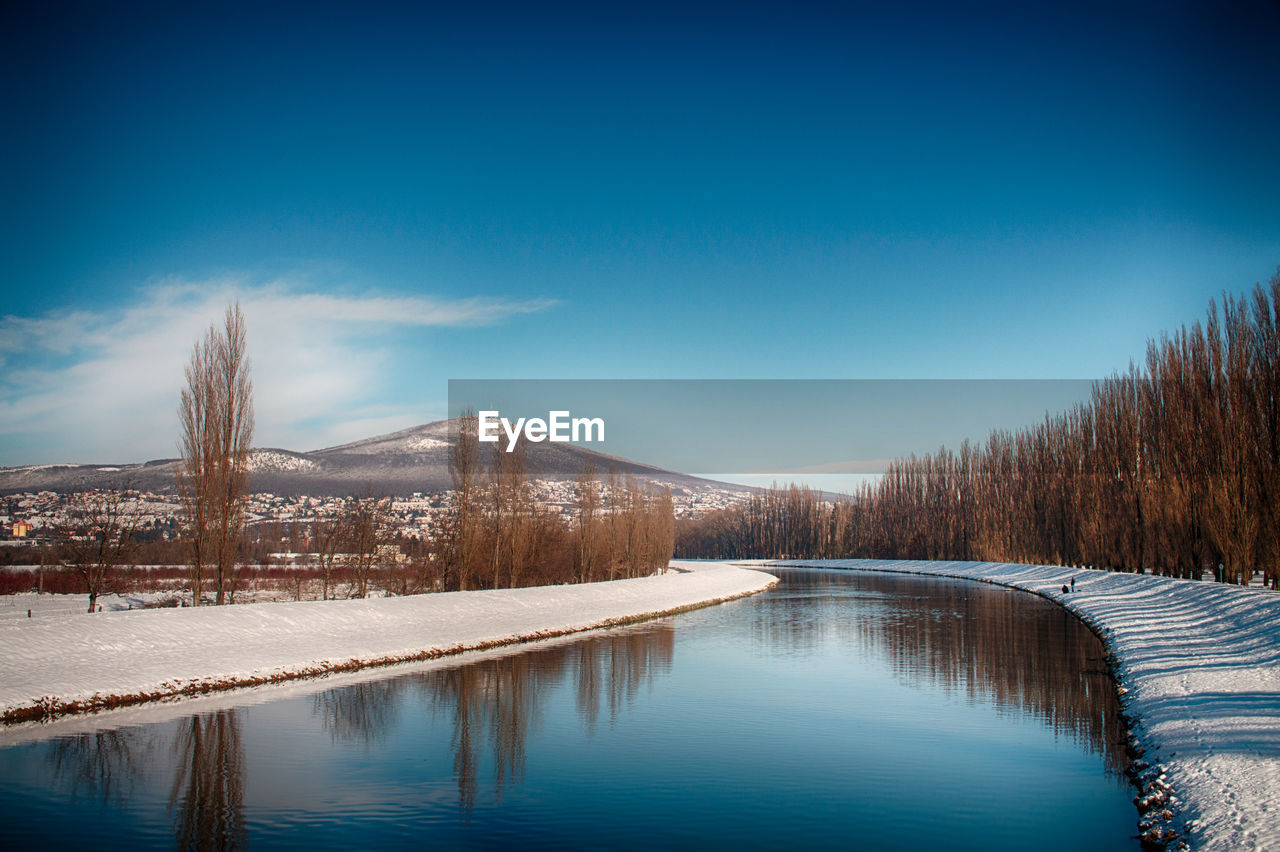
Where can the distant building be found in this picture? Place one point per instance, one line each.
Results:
(22, 529)
(390, 554)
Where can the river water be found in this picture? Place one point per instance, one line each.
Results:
(840, 709)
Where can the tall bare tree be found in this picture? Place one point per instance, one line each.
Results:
(588, 521)
(508, 515)
(216, 419)
(461, 526)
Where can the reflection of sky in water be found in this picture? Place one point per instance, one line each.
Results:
(889, 711)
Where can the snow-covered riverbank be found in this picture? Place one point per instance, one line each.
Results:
(77, 663)
(1199, 669)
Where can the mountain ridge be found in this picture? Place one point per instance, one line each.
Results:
(398, 463)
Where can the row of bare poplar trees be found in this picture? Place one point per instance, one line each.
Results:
(622, 529)
(1173, 468)
(496, 534)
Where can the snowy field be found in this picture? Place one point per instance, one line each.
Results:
(1199, 671)
(29, 605)
(74, 662)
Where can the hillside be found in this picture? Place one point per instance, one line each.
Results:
(400, 463)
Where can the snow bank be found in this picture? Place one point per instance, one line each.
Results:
(61, 665)
(1199, 672)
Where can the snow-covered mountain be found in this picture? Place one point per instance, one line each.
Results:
(404, 462)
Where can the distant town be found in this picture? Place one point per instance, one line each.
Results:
(30, 519)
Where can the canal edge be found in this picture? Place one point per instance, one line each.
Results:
(1155, 802)
(49, 707)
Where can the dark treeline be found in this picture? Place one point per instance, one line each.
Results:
(1172, 468)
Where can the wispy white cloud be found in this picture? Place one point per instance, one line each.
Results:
(81, 386)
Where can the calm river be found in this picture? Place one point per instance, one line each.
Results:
(840, 709)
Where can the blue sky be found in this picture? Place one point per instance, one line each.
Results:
(400, 194)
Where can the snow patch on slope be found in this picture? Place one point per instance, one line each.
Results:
(276, 460)
(425, 443)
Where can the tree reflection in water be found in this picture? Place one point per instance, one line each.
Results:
(985, 642)
(492, 701)
(609, 670)
(362, 713)
(499, 701)
(495, 703)
(207, 796)
(104, 763)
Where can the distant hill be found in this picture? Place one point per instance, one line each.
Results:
(401, 463)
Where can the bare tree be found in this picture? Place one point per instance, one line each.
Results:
(461, 525)
(47, 558)
(588, 522)
(498, 528)
(509, 515)
(364, 524)
(103, 537)
(521, 540)
(216, 420)
(326, 539)
(615, 526)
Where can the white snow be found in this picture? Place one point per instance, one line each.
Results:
(52, 665)
(425, 443)
(274, 460)
(1199, 670)
(30, 605)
